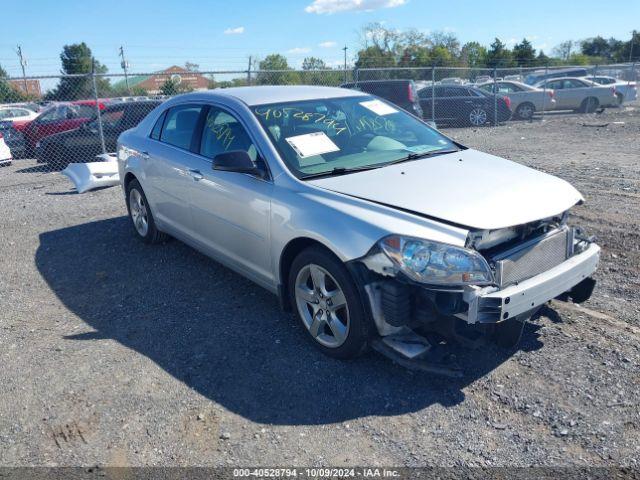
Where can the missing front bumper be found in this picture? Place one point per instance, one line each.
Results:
(489, 305)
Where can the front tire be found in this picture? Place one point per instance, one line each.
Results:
(327, 303)
(140, 214)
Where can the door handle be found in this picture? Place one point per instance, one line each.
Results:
(195, 174)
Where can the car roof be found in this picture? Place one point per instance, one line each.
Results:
(583, 79)
(262, 95)
(134, 104)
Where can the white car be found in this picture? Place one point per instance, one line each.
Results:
(5, 153)
(525, 99)
(17, 114)
(580, 94)
(625, 91)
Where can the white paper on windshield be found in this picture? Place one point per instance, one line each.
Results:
(378, 107)
(312, 144)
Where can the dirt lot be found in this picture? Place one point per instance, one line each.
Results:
(116, 353)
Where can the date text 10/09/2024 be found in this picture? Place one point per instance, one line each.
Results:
(315, 472)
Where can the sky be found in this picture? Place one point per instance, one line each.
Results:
(222, 34)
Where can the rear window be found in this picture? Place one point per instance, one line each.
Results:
(179, 125)
(157, 128)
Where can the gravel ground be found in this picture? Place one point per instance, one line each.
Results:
(116, 353)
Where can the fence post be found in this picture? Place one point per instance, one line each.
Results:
(495, 97)
(356, 75)
(433, 94)
(249, 72)
(95, 97)
(544, 91)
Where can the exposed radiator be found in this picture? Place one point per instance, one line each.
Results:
(533, 257)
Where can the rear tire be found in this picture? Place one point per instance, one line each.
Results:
(525, 111)
(589, 105)
(620, 98)
(326, 301)
(140, 214)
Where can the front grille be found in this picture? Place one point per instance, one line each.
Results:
(532, 258)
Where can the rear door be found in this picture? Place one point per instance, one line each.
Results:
(169, 163)
(454, 104)
(230, 210)
(563, 100)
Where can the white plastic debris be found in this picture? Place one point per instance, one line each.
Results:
(89, 176)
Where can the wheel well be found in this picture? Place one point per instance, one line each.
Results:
(289, 253)
(127, 179)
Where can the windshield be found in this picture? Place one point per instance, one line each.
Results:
(326, 135)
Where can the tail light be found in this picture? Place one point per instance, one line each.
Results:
(412, 95)
(507, 100)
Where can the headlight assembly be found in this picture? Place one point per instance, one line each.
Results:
(436, 263)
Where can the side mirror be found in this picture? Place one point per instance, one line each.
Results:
(237, 161)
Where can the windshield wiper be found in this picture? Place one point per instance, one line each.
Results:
(416, 156)
(341, 171)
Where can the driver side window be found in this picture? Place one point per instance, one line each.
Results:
(222, 132)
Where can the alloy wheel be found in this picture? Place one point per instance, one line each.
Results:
(478, 117)
(322, 305)
(138, 211)
(525, 112)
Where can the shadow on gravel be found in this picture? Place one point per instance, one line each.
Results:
(226, 338)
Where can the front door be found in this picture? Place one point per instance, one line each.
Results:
(230, 210)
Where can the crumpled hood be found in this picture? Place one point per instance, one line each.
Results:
(468, 188)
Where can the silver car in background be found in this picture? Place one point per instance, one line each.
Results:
(525, 99)
(580, 94)
(367, 223)
(626, 91)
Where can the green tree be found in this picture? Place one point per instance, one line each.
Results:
(77, 59)
(313, 63)
(563, 50)
(630, 51)
(375, 57)
(172, 87)
(275, 70)
(524, 54)
(473, 55)
(8, 93)
(499, 56)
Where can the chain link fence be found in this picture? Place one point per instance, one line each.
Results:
(80, 117)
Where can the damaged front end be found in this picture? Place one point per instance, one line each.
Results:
(499, 280)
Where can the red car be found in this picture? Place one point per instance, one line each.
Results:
(59, 118)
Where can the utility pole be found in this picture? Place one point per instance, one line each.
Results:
(249, 72)
(124, 64)
(633, 37)
(345, 63)
(23, 63)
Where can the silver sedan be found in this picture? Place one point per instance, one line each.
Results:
(370, 225)
(525, 99)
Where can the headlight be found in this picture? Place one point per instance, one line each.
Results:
(436, 263)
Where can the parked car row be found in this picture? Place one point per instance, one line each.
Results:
(65, 132)
(451, 102)
(83, 144)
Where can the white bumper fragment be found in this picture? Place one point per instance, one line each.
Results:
(489, 305)
(88, 176)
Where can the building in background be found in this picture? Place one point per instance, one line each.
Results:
(32, 87)
(152, 83)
